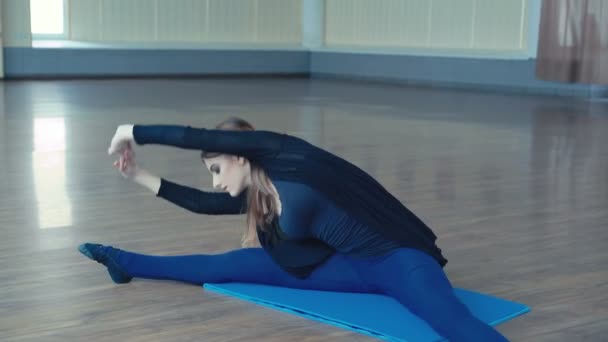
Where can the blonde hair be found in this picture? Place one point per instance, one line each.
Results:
(261, 197)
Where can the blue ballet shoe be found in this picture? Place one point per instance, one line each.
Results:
(106, 255)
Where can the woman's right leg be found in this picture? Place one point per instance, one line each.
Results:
(249, 265)
(418, 282)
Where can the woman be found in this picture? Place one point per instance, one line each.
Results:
(322, 223)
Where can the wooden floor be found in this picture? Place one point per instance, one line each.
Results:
(515, 186)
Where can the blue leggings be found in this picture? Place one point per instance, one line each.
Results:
(412, 277)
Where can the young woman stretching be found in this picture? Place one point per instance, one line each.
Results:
(322, 224)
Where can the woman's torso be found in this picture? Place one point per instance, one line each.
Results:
(306, 213)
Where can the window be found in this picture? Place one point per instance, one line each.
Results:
(48, 18)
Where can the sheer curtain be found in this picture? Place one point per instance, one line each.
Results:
(573, 41)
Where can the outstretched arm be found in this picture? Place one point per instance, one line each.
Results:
(249, 144)
(202, 202)
(188, 198)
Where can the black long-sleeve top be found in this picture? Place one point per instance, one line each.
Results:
(290, 159)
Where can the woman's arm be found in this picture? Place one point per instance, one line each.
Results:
(211, 203)
(147, 180)
(188, 198)
(249, 144)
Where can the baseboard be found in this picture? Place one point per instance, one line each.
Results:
(480, 74)
(21, 63)
(495, 75)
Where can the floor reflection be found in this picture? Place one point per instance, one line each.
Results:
(49, 170)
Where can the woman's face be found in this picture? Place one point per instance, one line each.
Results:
(230, 173)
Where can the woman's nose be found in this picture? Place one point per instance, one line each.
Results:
(216, 183)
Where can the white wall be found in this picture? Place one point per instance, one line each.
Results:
(167, 21)
(313, 23)
(16, 29)
(187, 21)
(1, 55)
(435, 25)
(439, 26)
(533, 27)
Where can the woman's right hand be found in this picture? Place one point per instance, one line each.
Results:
(126, 162)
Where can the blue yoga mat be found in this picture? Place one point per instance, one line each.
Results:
(366, 313)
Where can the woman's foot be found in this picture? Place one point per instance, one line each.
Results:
(106, 255)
